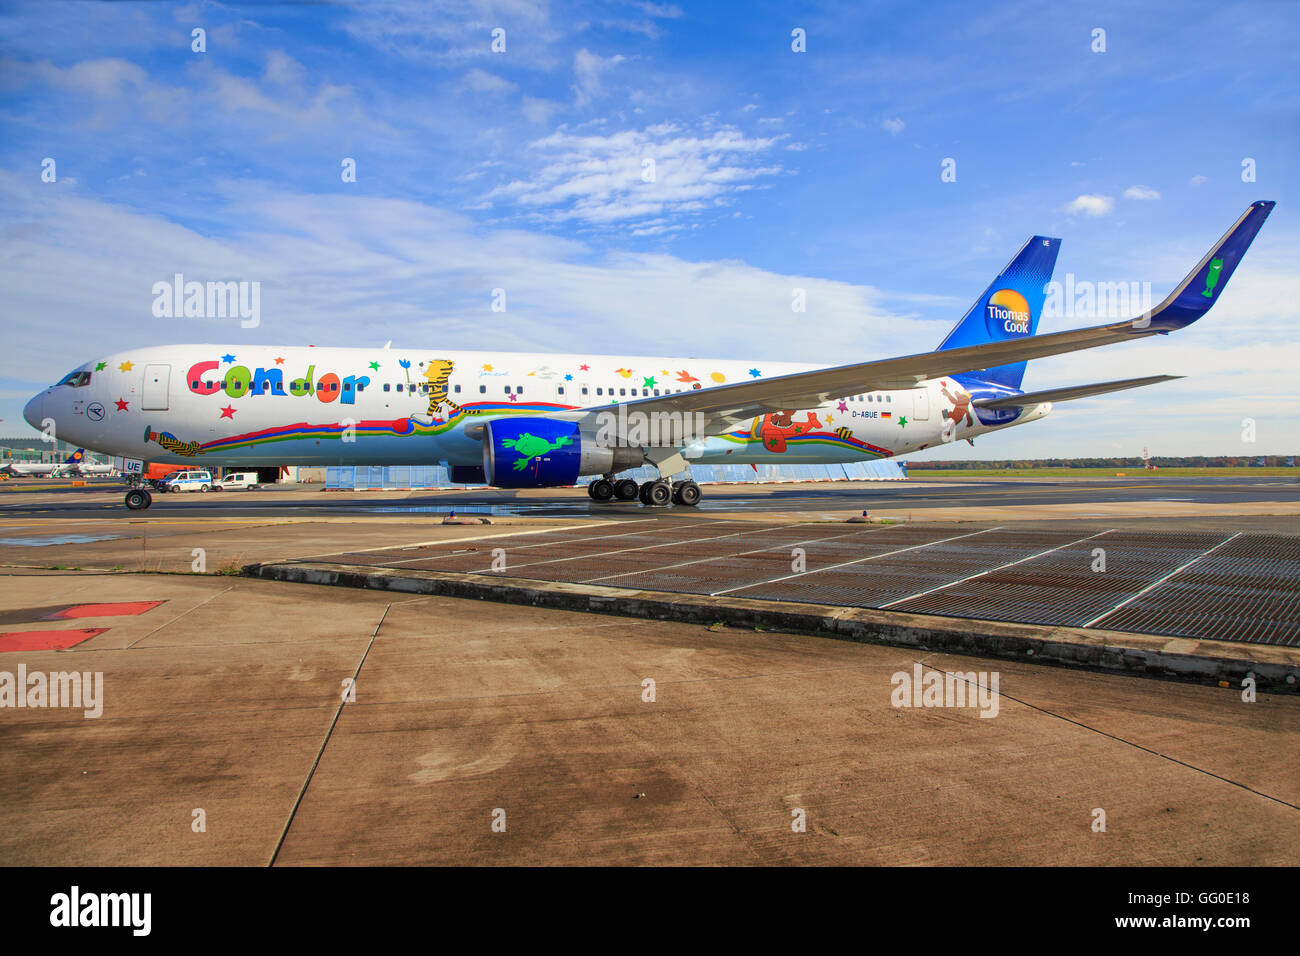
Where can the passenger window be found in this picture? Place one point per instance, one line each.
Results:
(457, 389)
(600, 391)
(584, 390)
(507, 389)
(622, 391)
(560, 391)
(519, 390)
(482, 389)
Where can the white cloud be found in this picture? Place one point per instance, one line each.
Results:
(1198, 179)
(589, 70)
(895, 125)
(602, 179)
(344, 269)
(537, 110)
(481, 81)
(1091, 204)
(1141, 192)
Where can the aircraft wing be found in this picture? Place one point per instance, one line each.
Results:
(727, 404)
(1065, 394)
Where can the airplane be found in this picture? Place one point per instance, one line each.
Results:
(524, 420)
(69, 465)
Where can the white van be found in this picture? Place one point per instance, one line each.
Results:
(236, 481)
(188, 481)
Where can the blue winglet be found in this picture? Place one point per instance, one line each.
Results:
(1204, 284)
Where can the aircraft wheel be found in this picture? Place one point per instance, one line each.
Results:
(641, 493)
(657, 493)
(602, 489)
(626, 489)
(687, 493)
(137, 499)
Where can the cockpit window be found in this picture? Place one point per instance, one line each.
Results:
(75, 380)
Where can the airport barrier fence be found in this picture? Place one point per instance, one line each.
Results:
(403, 477)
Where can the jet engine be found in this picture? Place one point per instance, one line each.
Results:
(545, 453)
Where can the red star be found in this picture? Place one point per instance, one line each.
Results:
(228, 412)
(584, 368)
(279, 361)
(121, 404)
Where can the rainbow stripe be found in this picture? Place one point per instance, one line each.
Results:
(395, 427)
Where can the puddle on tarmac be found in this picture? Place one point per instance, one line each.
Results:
(40, 541)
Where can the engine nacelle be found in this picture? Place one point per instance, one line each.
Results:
(545, 453)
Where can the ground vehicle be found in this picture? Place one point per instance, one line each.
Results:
(236, 481)
(188, 481)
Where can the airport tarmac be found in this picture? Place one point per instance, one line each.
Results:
(223, 693)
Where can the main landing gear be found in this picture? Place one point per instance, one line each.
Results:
(652, 494)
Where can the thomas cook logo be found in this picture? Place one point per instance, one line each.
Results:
(1007, 314)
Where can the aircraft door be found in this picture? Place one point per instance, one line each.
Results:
(157, 378)
(921, 404)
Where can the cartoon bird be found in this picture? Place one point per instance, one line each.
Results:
(686, 377)
(625, 372)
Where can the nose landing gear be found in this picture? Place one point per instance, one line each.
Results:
(137, 499)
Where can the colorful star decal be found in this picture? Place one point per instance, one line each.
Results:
(842, 406)
(664, 372)
(487, 368)
(514, 397)
(279, 360)
(101, 366)
(568, 378)
(754, 373)
(902, 421)
(649, 382)
(122, 404)
(228, 412)
(375, 366)
(830, 419)
(584, 368)
(228, 359)
(125, 367)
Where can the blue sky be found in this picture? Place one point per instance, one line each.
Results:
(774, 170)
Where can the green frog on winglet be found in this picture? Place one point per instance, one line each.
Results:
(530, 447)
(1212, 277)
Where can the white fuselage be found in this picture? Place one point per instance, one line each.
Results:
(244, 405)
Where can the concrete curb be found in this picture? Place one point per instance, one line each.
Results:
(1182, 658)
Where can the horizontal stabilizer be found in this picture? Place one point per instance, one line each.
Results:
(1065, 394)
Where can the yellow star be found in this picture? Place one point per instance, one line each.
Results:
(125, 367)
(664, 372)
(487, 368)
(830, 419)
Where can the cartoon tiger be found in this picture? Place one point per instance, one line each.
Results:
(437, 372)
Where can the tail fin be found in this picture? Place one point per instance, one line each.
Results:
(75, 457)
(1009, 308)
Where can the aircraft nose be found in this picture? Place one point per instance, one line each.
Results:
(34, 411)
